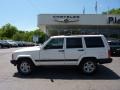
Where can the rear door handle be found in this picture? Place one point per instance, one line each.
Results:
(81, 50)
(60, 50)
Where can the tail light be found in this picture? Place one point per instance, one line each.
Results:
(109, 53)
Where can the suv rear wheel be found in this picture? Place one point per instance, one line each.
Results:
(88, 66)
(25, 67)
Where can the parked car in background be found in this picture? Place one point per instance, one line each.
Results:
(12, 43)
(24, 43)
(4, 44)
(115, 47)
(20, 43)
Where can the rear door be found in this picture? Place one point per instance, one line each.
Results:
(73, 50)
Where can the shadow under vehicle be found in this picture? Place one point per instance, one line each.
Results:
(69, 73)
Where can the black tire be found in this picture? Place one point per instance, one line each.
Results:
(25, 67)
(88, 67)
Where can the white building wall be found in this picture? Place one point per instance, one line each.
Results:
(43, 28)
(46, 21)
(85, 19)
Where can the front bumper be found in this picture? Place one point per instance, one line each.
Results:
(14, 62)
(106, 60)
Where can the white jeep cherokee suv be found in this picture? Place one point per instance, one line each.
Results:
(85, 51)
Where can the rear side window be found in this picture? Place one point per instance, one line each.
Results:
(93, 42)
(73, 43)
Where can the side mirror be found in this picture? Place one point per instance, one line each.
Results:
(47, 47)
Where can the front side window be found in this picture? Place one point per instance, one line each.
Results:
(73, 43)
(55, 43)
(94, 42)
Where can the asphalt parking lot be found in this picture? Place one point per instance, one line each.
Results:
(58, 78)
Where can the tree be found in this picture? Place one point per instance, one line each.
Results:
(40, 34)
(112, 11)
(18, 36)
(28, 35)
(8, 31)
(0, 32)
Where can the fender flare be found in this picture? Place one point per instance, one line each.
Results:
(87, 58)
(25, 56)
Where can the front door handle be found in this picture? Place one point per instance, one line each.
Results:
(60, 50)
(81, 50)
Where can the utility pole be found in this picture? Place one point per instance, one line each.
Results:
(96, 7)
(83, 10)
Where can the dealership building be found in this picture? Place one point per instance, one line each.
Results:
(60, 24)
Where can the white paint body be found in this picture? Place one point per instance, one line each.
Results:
(42, 56)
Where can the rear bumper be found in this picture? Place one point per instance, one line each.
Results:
(106, 60)
(14, 62)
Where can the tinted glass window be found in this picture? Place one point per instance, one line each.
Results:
(56, 43)
(93, 42)
(74, 43)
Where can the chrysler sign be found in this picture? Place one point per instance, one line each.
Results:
(113, 20)
(66, 19)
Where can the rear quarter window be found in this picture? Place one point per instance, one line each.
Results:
(94, 42)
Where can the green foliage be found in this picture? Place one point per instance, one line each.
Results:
(41, 35)
(8, 31)
(113, 11)
(18, 36)
(11, 32)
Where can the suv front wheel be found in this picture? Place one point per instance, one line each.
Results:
(88, 66)
(25, 67)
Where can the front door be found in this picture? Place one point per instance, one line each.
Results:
(53, 52)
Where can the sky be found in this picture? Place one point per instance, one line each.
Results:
(23, 13)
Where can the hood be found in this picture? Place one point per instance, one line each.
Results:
(35, 48)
